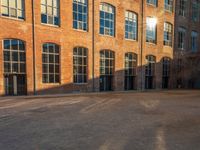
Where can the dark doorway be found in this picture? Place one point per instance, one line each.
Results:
(150, 72)
(129, 83)
(149, 82)
(165, 82)
(15, 84)
(165, 72)
(106, 83)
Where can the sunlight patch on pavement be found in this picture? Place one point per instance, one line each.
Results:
(149, 104)
(160, 140)
(114, 144)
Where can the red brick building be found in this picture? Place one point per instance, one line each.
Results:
(61, 46)
(187, 47)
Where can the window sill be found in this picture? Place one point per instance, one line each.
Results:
(150, 43)
(78, 30)
(106, 35)
(51, 84)
(131, 40)
(167, 46)
(12, 18)
(50, 25)
(168, 11)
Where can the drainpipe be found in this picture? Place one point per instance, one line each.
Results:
(141, 43)
(33, 40)
(93, 47)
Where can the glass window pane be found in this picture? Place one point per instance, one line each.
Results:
(4, 2)
(6, 44)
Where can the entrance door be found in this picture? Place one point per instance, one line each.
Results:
(15, 84)
(129, 82)
(165, 82)
(149, 82)
(106, 83)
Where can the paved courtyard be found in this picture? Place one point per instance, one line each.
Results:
(159, 120)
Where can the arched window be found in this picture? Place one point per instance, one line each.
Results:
(13, 8)
(50, 63)
(50, 10)
(14, 56)
(80, 64)
(106, 62)
(107, 59)
(131, 25)
(150, 71)
(130, 70)
(80, 14)
(107, 19)
(130, 64)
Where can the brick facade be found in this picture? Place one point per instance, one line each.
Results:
(68, 38)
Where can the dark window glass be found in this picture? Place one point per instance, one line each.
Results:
(14, 56)
(50, 12)
(107, 20)
(80, 64)
(50, 63)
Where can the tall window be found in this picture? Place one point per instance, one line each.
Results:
(50, 12)
(182, 7)
(150, 71)
(130, 25)
(106, 62)
(194, 41)
(152, 2)
(80, 14)
(168, 34)
(151, 29)
(107, 19)
(14, 56)
(80, 64)
(195, 11)
(130, 70)
(107, 59)
(169, 5)
(13, 8)
(50, 63)
(181, 38)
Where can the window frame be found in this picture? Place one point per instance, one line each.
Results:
(48, 63)
(84, 6)
(182, 32)
(169, 41)
(23, 10)
(151, 39)
(11, 51)
(133, 20)
(112, 31)
(84, 75)
(46, 6)
(153, 3)
(109, 60)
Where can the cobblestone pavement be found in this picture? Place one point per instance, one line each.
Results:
(157, 120)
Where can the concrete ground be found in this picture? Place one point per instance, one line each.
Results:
(159, 120)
